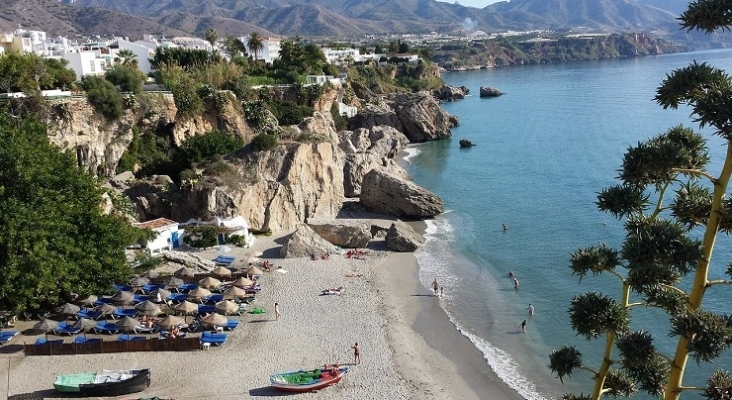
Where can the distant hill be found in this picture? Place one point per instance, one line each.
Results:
(346, 17)
(59, 19)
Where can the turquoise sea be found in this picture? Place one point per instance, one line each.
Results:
(544, 150)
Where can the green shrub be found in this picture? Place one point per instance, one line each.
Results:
(126, 78)
(264, 142)
(289, 113)
(200, 147)
(206, 236)
(236, 240)
(341, 122)
(103, 96)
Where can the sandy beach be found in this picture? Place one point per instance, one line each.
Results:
(409, 348)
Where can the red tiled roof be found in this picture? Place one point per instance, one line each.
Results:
(155, 224)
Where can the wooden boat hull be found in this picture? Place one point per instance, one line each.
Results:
(139, 382)
(302, 388)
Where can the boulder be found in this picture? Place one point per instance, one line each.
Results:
(451, 93)
(359, 164)
(487, 91)
(342, 232)
(375, 114)
(121, 180)
(466, 143)
(388, 194)
(306, 243)
(150, 197)
(189, 260)
(379, 229)
(402, 238)
(421, 116)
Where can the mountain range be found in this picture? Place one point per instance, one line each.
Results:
(337, 18)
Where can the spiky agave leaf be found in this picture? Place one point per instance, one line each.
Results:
(709, 334)
(706, 16)
(725, 222)
(593, 259)
(651, 376)
(618, 384)
(622, 200)
(719, 386)
(581, 396)
(692, 205)
(563, 361)
(593, 314)
(635, 348)
(673, 301)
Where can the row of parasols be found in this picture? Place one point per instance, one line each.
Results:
(185, 272)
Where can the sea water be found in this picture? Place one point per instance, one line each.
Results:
(543, 152)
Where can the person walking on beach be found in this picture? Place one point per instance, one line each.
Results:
(435, 286)
(523, 327)
(531, 309)
(277, 311)
(356, 354)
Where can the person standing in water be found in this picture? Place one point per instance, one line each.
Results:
(515, 283)
(436, 287)
(505, 228)
(530, 309)
(523, 327)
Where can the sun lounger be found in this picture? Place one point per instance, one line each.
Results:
(225, 260)
(90, 314)
(166, 335)
(231, 324)
(83, 340)
(123, 288)
(128, 338)
(66, 329)
(41, 341)
(106, 327)
(213, 298)
(5, 339)
(102, 301)
(145, 329)
(8, 333)
(206, 309)
(214, 339)
(187, 287)
(124, 312)
(139, 298)
(150, 287)
(177, 297)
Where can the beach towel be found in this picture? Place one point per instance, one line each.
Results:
(257, 311)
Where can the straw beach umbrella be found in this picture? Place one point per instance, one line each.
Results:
(227, 307)
(172, 282)
(186, 308)
(139, 281)
(107, 309)
(184, 272)
(198, 293)
(221, 272)
(85, 324)
(123, 298)
(87, 301)
(148, 308)
(215, 320)
(170, 322)
(45, 325)
(209, 283)
(243, 282)
(151, 274)
(163, 295)
(253, 270)
(128, 324)
(234, 292)
(68, 309)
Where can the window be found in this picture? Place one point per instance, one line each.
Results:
(93, 66)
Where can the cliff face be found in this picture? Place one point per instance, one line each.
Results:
(99, 144)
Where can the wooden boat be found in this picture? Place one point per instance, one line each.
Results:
(307, 380)
(104, 383)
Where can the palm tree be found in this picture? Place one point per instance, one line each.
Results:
(127, 58)
(255, 43)
(211, 36)
(234, 46)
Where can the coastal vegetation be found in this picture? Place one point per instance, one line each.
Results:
(531, 49)
(55, 240)
(665, 192)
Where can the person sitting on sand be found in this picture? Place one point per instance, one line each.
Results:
(175, 333)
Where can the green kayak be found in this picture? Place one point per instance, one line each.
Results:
(70, 383)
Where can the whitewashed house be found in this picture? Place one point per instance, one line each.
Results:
(167, 237)
(235, 226)
(270, 48)
(142, 52)
(86, 63)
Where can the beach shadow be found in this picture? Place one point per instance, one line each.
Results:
(423, 295)
(273, 252)
(268, 391)
(514, 332)
(11, 348)
(40, 395)
(256, 321)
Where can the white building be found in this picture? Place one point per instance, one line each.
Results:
(235, 226)
(86, 63)
(166, 232)
(341, 56)
(143, 53)
(270, 50)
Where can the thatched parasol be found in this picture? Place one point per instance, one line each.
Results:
(198, 293)
(221, 272)
(253, 270)
(128, 324)
(68, 309)
(186, 308)
(170, 322)
(209, 283)
(139, 281)
(243, 282)
(123, 298)
(215, 320)
(234, 292)
(46, 325)
(151, 274)
(227, 307)
(107, 309)
(163, 294)
(172, 282)
(148, 308)
(86, 301)
(184, 272)
(85, 324)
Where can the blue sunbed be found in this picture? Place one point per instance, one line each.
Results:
(66, 329)
(177, 297)
(150, 287)
(8, 333)
(206, 309)
(166, 335)
(124, 312)
(215, 339)
(187, 287)
(106, 327)
(226, 260)
(213, 298)
(102, 301)
(139, 298)
(83, 340)
(41, 340)
(231, 324)
(90, 314)
(128, 338)
(123, 288)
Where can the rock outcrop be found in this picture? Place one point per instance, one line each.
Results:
(343, 232)
(306, 243)
(189, 260)
(402, 238)
(487, 91)
(466, 143)
(388, 194)
(451, 93)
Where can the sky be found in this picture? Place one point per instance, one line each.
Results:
(472, 3)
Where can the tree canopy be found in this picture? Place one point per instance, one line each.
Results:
(664, 191)
(55, 240)
(31, 72)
